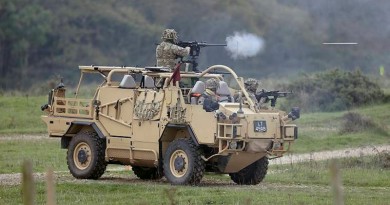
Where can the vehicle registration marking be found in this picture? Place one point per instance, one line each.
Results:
(260, 125)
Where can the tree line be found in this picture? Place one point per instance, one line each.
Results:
(40, 39)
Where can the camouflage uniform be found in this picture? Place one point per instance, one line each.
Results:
(211, 88)
(167, 51)
(210, 97)
(251, 85)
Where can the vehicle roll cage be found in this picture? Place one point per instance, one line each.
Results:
(107, 72)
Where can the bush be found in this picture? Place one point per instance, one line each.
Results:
(42, 88)
(354, 122)
(333, 90)
(384, 159)
(380, 160)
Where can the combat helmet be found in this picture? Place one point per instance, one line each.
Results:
(169, 34)
(212, 84)
(251, 84)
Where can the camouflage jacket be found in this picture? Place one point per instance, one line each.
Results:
(258, 104)
(210, 94)
(167, 52)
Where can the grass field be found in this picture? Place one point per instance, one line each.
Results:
(365, 182)
(111, 192)
(21, 114)
(43, 153)
(321, 131)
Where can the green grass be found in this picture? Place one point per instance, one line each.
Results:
(367, 171)
(21, 114)
(44, 153)
(364, 181)
(320, 131)
(112, 193)
(151, 193)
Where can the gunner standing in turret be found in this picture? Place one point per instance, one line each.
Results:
(167, 51)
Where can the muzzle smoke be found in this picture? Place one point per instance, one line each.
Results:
(243, 45)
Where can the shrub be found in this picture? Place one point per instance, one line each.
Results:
(42, 88)
(384, 159)
(354, 122)
(333, 90)
(381, 160)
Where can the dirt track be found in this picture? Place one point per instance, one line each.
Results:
(15, 178)
(324, 155)
(23, 137)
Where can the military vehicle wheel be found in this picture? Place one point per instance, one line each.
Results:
(252, 174)
(183, 163)
(85, 156)
(146, 172)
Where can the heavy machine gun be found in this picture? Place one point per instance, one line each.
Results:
(194, 51)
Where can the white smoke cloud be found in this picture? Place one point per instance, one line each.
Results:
(243, 45)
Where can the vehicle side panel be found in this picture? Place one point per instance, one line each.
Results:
(203, 124)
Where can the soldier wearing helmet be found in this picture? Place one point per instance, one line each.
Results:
(211, 87)
(210, 97)
(167, 51)
(251, 85)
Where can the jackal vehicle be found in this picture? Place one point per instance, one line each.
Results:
(162, 128)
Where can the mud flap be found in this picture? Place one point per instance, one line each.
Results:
(237, 161)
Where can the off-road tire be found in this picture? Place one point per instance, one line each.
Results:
(85, 156)
(252, 174)
(147, 173)
(186, 151)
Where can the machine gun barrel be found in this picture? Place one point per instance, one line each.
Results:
(192, 44)
(211, 44)
(195, 51)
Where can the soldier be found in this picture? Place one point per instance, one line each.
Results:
(167, 51)
(251, 85)
(210, 102)
(211, 88)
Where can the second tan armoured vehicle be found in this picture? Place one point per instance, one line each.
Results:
(139, 117)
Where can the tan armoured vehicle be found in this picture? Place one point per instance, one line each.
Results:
(138, 117)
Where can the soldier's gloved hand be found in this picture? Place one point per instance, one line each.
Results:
(187, 49)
